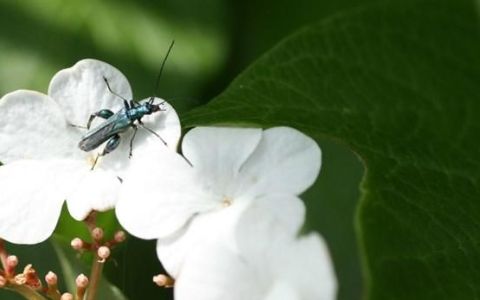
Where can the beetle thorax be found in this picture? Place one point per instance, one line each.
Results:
(138, 112)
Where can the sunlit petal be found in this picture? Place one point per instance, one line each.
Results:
(285, 161)
(158, 197)
(95, 190)
(81, 90)
(32, 126)
(32, 196)
(217, 154)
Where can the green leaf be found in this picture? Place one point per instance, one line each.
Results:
(260, 24)
(398, 82)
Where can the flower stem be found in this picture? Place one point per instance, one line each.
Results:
(95, 276)
(3, 255)
(26, 292)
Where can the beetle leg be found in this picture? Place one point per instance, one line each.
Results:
(104, 114)
(95, 162)
(78, 126)
(111, 145)
(135, 128)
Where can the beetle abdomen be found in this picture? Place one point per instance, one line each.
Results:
(95, 138)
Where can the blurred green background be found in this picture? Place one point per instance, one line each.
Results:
(215, 40)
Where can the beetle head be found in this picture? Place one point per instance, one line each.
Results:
(154, 107)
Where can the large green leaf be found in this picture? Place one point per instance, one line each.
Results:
(398, 82)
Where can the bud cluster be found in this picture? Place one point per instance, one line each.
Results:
(101, 248)
(29, 282)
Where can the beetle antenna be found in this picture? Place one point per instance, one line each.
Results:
(110, 89)
(161, 69)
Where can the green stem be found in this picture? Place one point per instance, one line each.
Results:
(95, 276)
(3, 255)
(26, 292)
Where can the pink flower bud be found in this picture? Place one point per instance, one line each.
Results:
(66, 296)
(12, 261)
(103, 252)
(81, 281)
(163, 280)
(51, 278)
(120, 236)
(97, 233)
(76, 244)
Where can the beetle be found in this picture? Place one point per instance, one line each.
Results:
(130, 116)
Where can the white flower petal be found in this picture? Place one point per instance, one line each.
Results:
(311, 271)
(282, 291)
(218, 153)
(234, 227)
(32, 126)
(213, 272)
(212, 226)
(81, 90)
(285, 161)
(266, 235)
(95, 190)
(32, 193)
(271, 262)
(292, 269)
(164, 123)
(159, 195)
(273, 216)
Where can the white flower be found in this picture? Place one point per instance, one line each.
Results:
(269, 262)
(203, 194)
(43, 164)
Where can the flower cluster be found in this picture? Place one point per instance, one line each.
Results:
(225, 208)
(39, 137)
(229, 205)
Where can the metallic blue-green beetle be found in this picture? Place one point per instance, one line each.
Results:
(130, 116)
(116, 123)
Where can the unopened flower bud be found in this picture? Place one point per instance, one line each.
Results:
(51, 278)
(120, 236)
(52, 289)
(103, 252)
(12, 261)
(66, 296)
(81, 281)
(97, 233)
(76, 244)
(163, 280)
